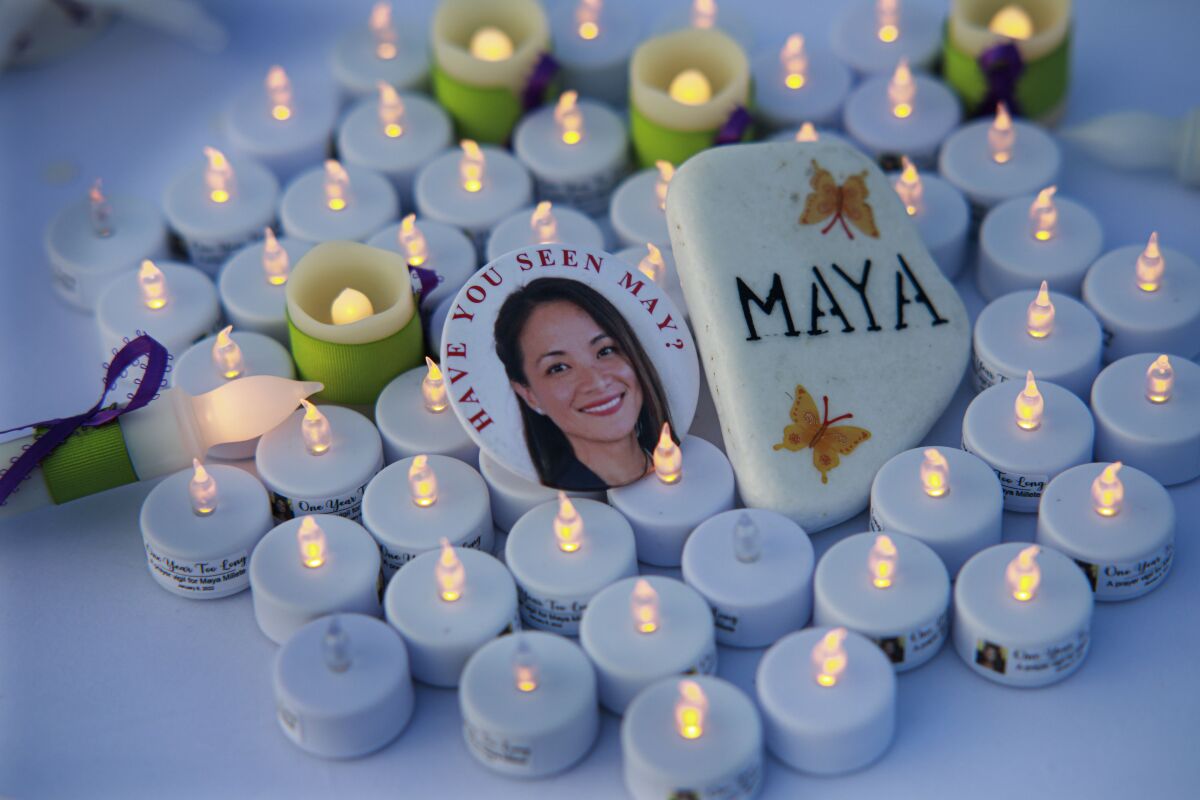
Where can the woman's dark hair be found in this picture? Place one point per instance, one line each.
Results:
(548, 446)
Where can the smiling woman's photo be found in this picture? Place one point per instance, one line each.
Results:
(591, 401)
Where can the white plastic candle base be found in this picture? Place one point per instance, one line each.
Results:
(869, 120)
(1028, 643)
(826, 730)
(1004, 350)
(332, 482)
(409, 429)
(957, 525)
(190, 314)
(634, 212)
(1166, 320)
(196, 373)
(596, 67)
(250, 301)
(437, 321)
(515, 232)
(966, 162)
(288, 595)
(1011, 259)
(1160, 439)
(855, 37)
(439, 193)
(664, 515)
(441, 636)
(305, 214)
(1124, 555)
(286, 147)
(529, 734)
(204, 557)
(357, 67)
(554, 587)
(513, 496)
(754, 602)
(82, 262)
(725, 761)
(1025, 461)
(728, 21)
(628, 660)
(211, 232)
(451, 256)
(819, 100)
(909, 620)
(943, 222)
(581, 175)
(362, 142)
(634, 255)
(404, 530)
(349, 712)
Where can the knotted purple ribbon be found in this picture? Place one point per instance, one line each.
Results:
(1002, 66)
(423, 281)
(539, 81)
(61, 429)
(735, 127)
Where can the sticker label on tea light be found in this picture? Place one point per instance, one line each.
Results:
(1021, 492)
(742, 785)
(705, 665)
(290, 723)
(395, 559)
(985, 375)
(724, 621)
(1111, 581)
(211, 255)
(347, 505)
(548, 614)
(1059, 657)
(873, 522)
(589, 195)
(213, 576)
(494, 747)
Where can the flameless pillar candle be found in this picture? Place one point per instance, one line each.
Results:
(1052, 334)
(1027, 240)
(889, 587)
(342, 686)
(544, 224)
(697, 737)
(448, 603)
(593, 40)
(473, 189)
(688, 90)
(1117, 522)
(940, 213)
(528, 704)
(638, 209)
(871, 36)
(1147, 411)
(1148, 300)
(799, 84)
(385, 49)
(251, 285)
(310, 567)
(199, 527)
(658, 264)
(414, 417)
(394, 135)
(174, 303)
(285, 126)
(319, 462)
(217, 208)
(417, 502)
(1022, 615)
(690, 483)
(640, 630)
(576, 152)
(513, 496)
(754, 567)
(94, 240)
(1028, 433)
(561, 554)
(902, 113)
(828, 699)
(440, 255)
(943, 497)
(337, 202)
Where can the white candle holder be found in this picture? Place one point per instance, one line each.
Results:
(342, 687)
(870, 120)
(287, 133)
(250, 300)
(440, 195)
(859, 39)
(820, 88)
(204, 557)
(288, 594)
(190, 313)
(306, 212)
(723, 17)
(554, 582)
(394, 51)
(409, 428)
(1028, 643)
(592, 44)
(627, 659)
(1030, 163)
(448, 254)
(516, 231)
(636, 214)
(1126, 551)
(528, 704)
(513, 496)
(942, 218)
(1161, 439)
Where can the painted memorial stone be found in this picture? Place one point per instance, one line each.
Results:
(831, 339)
(563, 363)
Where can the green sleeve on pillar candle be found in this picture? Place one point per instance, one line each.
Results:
(486, 114)
(653, 142)
(1040, 89)
(91, 460)
(355, 374)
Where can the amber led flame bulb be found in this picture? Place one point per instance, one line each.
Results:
(908, 187)
(829, 658)
(644, 604)
(525, 667)
(202, 490)
(433, 388)
(902, 90)
(1029, 405)
(1107, 491)
(1039, 318)
(314, 429)
(668, 458)
(1023, 574)
(568, 525)
(881, 562)
(471, 166)
(887, 20)
(587, 19)
(311, 540)
(391, 111)
(569, 118)
(690, 710)
(275, 261)
(226, 355)
(382, 31)
(449, 574)
(153, 286)
(279, 93)
(1160, 380)
(422, 482)
(1001, 135)
(1150, 266)
(795, 62)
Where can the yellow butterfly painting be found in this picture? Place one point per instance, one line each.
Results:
(828, 441)
(828, 201)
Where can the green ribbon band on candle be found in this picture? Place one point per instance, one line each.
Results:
(355, 374)
(486, 114)
(1041, 88)
(653, 142)
(90, 460)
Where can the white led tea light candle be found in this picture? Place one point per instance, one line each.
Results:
(593, 40)
(902, 113)
(414, 417)
(251, 284)
(543, 224)
(434, 249)
(871, 36)
(513, 495)
(940, 212)
(386, 49)
(174, 303)
(798, 84)
(638, 209)
(337, 201)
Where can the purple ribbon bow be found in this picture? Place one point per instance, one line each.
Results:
(539, 81)
(1002, 66)
(60, 429)
(423, 281)
(734, 128)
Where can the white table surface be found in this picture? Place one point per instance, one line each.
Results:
(109, 686)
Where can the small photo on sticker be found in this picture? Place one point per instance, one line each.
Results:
(991, 656)
(893, 648)
(1090, 571)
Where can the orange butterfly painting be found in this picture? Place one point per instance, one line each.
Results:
(828, 441)
(828, 201)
